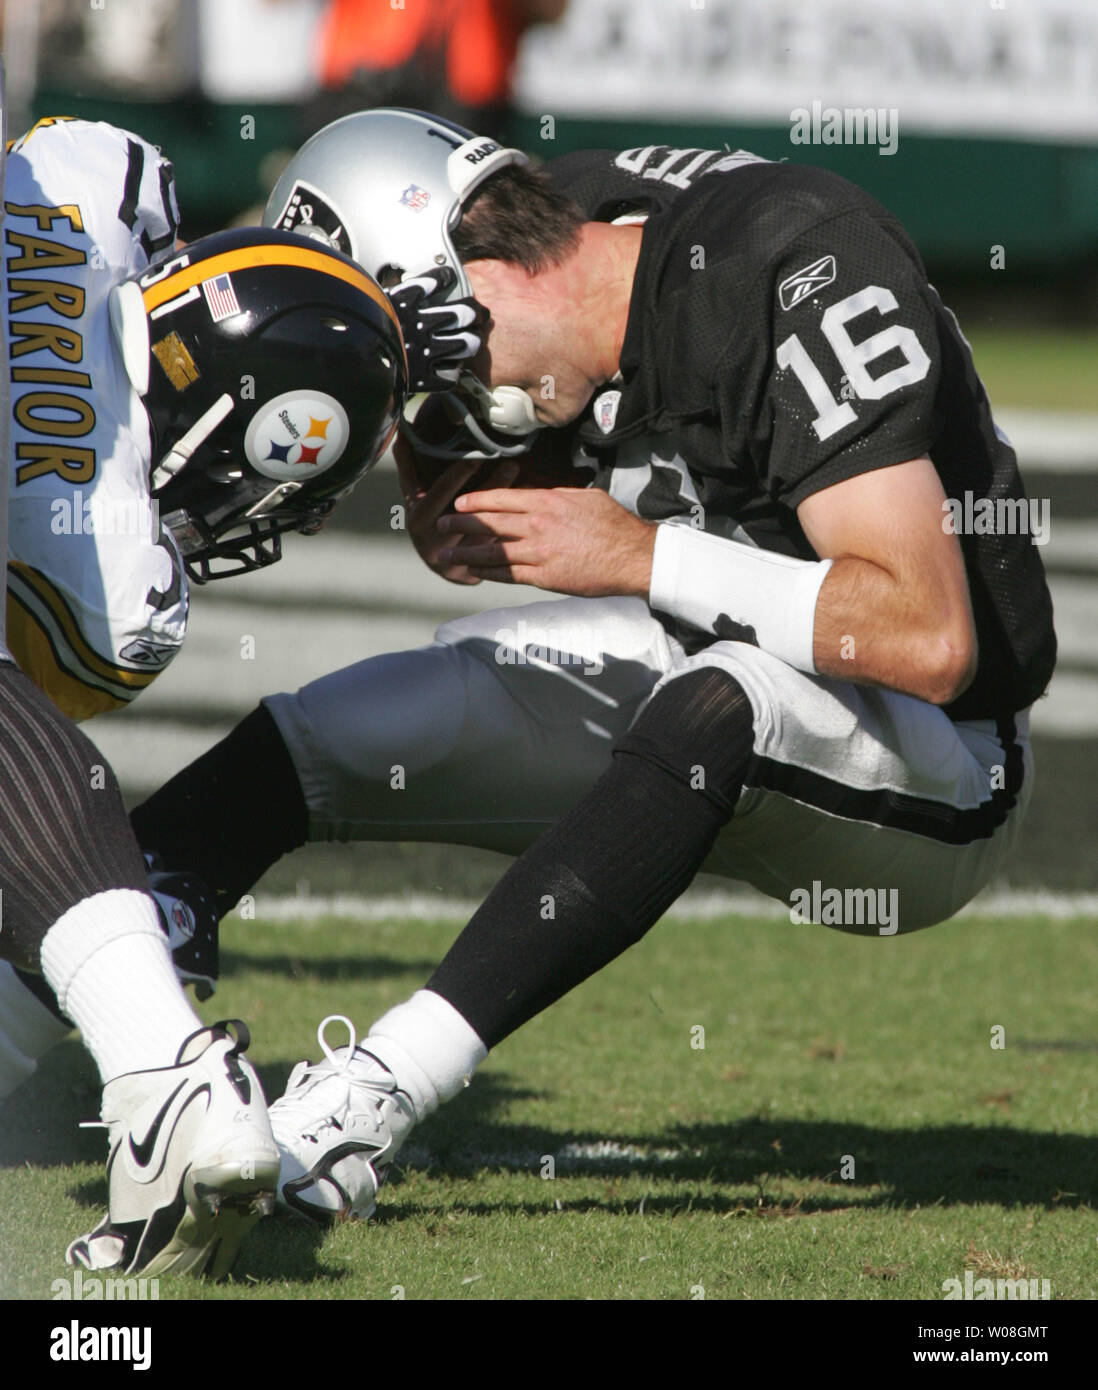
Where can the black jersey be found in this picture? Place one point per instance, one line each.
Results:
(782, 337)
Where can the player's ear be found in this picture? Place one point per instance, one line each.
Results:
(130, 326)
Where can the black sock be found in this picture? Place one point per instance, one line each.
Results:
(229, 815)
(599, 879)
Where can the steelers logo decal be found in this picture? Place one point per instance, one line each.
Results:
(297, 435)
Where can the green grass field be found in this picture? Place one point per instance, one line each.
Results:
(677, 1168)
(1036, 368)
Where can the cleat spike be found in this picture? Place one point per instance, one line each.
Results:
(264, 1204)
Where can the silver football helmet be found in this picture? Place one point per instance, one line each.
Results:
(388, 187)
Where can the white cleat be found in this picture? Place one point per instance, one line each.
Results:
(339, 1127)
(193, 1164)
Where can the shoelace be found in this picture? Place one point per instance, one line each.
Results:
(298, 1107)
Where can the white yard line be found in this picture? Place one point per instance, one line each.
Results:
(1069, 710)
(703, 905)
(1052, 441)
(1072, 543)
(602, 1153)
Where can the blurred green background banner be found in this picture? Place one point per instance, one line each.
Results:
(976, 122)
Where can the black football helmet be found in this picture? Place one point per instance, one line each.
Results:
(273, 372)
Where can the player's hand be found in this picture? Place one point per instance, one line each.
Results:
(440, 335)
(570, 540)
(427, 504)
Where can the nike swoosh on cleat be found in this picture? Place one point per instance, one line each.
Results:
(241, 1085)
(143, 1150)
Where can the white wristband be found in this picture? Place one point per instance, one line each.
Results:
(699, 578)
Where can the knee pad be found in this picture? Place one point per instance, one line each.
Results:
(699, 727)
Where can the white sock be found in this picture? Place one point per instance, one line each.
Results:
(27, 1030)
(429, 1048)
(110, 967)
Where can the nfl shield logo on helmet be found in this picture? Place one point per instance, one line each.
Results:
(415, 197)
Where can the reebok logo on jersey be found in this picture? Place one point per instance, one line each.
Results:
(805, 282)
(144, 653)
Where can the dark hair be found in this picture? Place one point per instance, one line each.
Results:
(517, 215)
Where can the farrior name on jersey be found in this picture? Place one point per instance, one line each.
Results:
(56, 413)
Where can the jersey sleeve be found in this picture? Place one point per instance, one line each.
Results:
(855, 367)
(123, 184)
(97, 600)
(148, 205)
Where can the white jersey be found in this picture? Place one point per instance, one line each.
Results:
(97, 596)
(5, 411)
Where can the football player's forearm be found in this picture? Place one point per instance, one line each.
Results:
(738, 592)
(875, 629)
(847, 618)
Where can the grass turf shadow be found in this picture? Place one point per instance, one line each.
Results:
(907, 1167)
(961, 1164)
